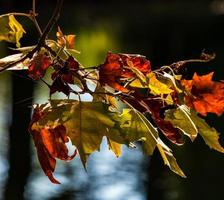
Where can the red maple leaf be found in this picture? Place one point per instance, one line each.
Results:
(38, 66)
(117, 67)
(206, 96)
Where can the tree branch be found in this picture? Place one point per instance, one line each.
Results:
(41, 41)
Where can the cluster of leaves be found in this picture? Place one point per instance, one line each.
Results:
(131, 101)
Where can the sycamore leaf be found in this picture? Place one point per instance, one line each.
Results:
(11, 30)
(157, 87)
(209, 134)
(64, 75)
(181, 118)
(206, 96)
(153, 141)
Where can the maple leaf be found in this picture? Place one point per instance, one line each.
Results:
(206, 96)
(38, 66)
(50, 144)
(65, 40)
(11, 30)
(120, 66)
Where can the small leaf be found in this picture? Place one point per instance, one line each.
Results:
(67, 41)
(11, 30)
(157, 87)
(38, 65)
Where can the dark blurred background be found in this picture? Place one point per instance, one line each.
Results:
(163, 30)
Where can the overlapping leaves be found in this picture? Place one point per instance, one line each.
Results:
(128, 96)
(86, 123)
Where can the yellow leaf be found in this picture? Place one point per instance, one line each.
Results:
(11, 30)
(170, 161)
(115, 147)
(181, 118)
(156, 86)
(67, 41)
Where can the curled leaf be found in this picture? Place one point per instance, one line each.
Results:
(50, 144)
(11, 30)
(65, 40)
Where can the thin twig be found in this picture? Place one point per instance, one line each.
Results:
(41, 41)
(33, 16)
(17, 14)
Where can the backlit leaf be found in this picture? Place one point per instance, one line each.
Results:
(181, 118)
(206, 96)
(11, 30)
(157, 87)
(209, 134)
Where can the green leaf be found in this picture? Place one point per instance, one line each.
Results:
(181, 118)
(135, 126)
(11, 30)
(87, 122)
(209, 134)
(131, 127)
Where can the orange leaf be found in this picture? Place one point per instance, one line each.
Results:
(207, 95)
(65, 40)
(50, 144)
(117, 67)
